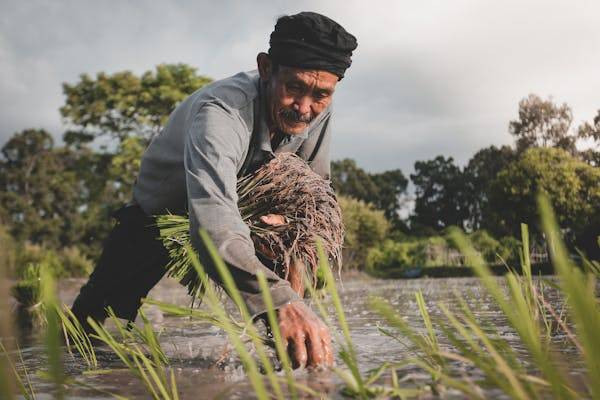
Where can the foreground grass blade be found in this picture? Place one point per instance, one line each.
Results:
(7, 380)
(427, 320)
(580, 292)
(11, 376)
(76, 336)
(150, 371)
(52, 335)
(279, 343)
(348, 354)
(196, 314)
(216, 307)
(519, 317)
(236, 296)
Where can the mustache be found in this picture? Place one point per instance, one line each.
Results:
(295, 116)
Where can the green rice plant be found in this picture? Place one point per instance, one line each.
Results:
(75, 336)
(431, 359)
(530, 315)
(217, 309)
(579, 288)
(198, 315)
(277, 338)
(131, 347)
(27, 289)
(357, 385)
(240, 333)
(11, 378)
(52, 342)
(348, 352)
(18, 373)
(228, 283)
(520, 312)
(10, 375)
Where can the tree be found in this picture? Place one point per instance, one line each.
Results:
(542, 123)
(391, 186)
(39, 191)
(591, 132)
(123, 169)
(348, 179)
(123, 104)
(440, 194)
(479, 174)
(572, 186)
(126, 107)
(383, 190)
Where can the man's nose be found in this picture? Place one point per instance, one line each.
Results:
(302, 105)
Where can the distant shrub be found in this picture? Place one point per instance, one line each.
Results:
(65, 263)
(365, 226)
(433, 251)
(390, 254)
(489, 247)
(437, 251)
(74, 262)
(509, 250)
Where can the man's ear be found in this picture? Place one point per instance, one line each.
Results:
(265, 66)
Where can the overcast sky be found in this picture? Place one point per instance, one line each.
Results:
(428, 77)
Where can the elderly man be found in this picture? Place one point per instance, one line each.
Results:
(223, 131)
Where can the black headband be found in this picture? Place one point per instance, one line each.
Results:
(312, 41)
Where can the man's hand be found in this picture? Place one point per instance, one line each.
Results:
(273, 219)
(306, 336)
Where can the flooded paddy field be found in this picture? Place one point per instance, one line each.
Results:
(205, 364)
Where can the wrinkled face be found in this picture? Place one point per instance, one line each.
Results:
(297, 96)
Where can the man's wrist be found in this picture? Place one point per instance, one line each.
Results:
(281, 296)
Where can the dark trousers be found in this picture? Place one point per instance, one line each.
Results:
(132, 262)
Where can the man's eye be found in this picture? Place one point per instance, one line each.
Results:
(293, 87)
(321, 95)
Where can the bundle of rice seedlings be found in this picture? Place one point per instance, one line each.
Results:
(285, 186)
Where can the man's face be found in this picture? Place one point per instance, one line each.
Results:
(297, 96)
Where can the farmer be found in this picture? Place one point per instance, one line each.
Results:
(219, 133)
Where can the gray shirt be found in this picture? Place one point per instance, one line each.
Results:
(217, 134)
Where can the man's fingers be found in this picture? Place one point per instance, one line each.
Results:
(328, 351)
(297, 350)
(273, 219)
(296, 321)
(316, 351)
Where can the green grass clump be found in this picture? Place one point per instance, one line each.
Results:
(132, 345)
(528, 313)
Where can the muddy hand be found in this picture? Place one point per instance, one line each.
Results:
(306, 336)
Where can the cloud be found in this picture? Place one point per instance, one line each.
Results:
(428, 78)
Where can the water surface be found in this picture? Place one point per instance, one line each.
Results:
(204, 363)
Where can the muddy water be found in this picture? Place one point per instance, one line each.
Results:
(205, 367)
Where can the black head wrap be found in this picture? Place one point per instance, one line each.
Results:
(312, 41)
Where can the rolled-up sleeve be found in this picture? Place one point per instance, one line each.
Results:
(214, 147)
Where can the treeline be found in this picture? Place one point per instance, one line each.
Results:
(490, 196)
(56, 199)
